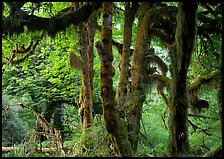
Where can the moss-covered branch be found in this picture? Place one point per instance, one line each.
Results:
(163, 23)
(162, 36)
(50, 25)
(217, 152)
(161, 79)
(26, 52)
(203, 79)
(162, 65)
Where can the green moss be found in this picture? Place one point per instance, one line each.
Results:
(217, 152)
(203, 79)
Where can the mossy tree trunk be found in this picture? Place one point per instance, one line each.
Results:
(138, 75)
(124, 83)
(86, 87)
(114, 127)
(90, 35)
(180, 58)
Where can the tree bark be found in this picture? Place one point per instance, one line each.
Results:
(86, 88)
(180, 58)
(114, 126)
(138, 76)
(90, 36)
(123, 84)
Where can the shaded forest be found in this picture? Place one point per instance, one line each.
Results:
(104, 79)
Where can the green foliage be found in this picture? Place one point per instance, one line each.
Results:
(21, 154)
(155, 142)
(14, 129)
(13, 154)
(46, 76)
(153, 128)
(95, 139)
(208, 136)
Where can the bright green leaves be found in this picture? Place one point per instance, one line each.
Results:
(55, 81)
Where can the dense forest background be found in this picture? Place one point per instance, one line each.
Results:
(111, 79)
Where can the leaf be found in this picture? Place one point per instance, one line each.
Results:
(75, 62)
(54, 90)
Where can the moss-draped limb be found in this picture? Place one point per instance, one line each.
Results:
(50, 25)
(26, 52)
(203, 79)
(217, 152)
(194, 88)
(164, 24)
(162, 36)
(162, 79)
(156, 59)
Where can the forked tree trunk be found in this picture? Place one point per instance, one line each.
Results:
(115, 128)
(124, 83)
(180, 58)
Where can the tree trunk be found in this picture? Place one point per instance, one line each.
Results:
(114, 127)
(219, 96)
(180, 58)
(58, 117)
(86, 88)
(90, 35)
(50, 109)
(124, 84)
(138, 76)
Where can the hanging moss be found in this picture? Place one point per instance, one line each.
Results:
(50, 25)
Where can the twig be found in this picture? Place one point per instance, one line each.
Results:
(195, 127)
(200, 116)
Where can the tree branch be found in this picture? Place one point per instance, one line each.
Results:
(162, 79)
(50, 25)
(203, 79)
